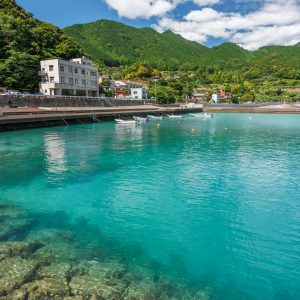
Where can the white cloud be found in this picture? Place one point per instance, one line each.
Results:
(146, 9)
(275, 22)
(206, 2)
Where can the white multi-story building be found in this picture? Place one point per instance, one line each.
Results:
(138, 93)
(76, 77)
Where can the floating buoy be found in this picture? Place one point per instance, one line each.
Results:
(158, 125)
(225, 128)
(193, 130)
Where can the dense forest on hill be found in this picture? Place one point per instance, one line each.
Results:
(25, 40)
(118, 44)
(124, 52)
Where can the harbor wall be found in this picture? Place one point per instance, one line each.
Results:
(41, 101)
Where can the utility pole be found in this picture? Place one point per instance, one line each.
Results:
(155, 79)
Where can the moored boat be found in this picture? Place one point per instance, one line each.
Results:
(208, 116)
(125, 122)
(203, 116)
(155, 117)
(196, 115)
(140, 119)
(174, 116)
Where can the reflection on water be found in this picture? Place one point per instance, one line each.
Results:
(55, 153)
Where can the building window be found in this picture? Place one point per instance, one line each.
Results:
(82, 72)
(46, 91)
(83, 81)
(51, 67)
(75, 70)
(51, 79)
(62, 68)
(62, 79)
(70, 69)
(93, 73)
(135, 93)
(76, 80)
(71, 81)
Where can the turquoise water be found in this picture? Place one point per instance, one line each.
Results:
(219, 207)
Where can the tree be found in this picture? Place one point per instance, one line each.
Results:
(20, 71)
(165, 94)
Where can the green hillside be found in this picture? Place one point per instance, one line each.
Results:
(225, 53)
(24, 41)
(280, 55)
(116, 43)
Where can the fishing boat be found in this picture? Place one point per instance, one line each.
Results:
(140, 119)
(125, 122)
(151, 117)
(174, 116)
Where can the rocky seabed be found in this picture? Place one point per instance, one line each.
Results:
(38, 263)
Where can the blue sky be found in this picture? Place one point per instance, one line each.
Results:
(251, 24)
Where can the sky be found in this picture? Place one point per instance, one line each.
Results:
(250, 24)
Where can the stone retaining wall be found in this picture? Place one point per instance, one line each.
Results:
(18, 101)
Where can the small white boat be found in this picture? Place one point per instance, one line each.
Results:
(155, 117)
(140, 119)
(196, 115)
(125, 122)
(174, 116)
(203, 116)
(208, 116)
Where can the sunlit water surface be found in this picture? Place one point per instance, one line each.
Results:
(219, 206)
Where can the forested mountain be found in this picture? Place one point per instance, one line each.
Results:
(118, 44)
(25, 40)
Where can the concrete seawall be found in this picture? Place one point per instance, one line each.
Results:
(41, 101)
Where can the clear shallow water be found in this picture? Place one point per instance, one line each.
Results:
(219, 207)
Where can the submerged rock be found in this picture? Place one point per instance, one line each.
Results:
(24, 249)
(14, 272)
(11, 211)
(88, 286)
(49, 283)
(14, 221)
(47, 289)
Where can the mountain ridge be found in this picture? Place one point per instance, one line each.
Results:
(116, 43)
